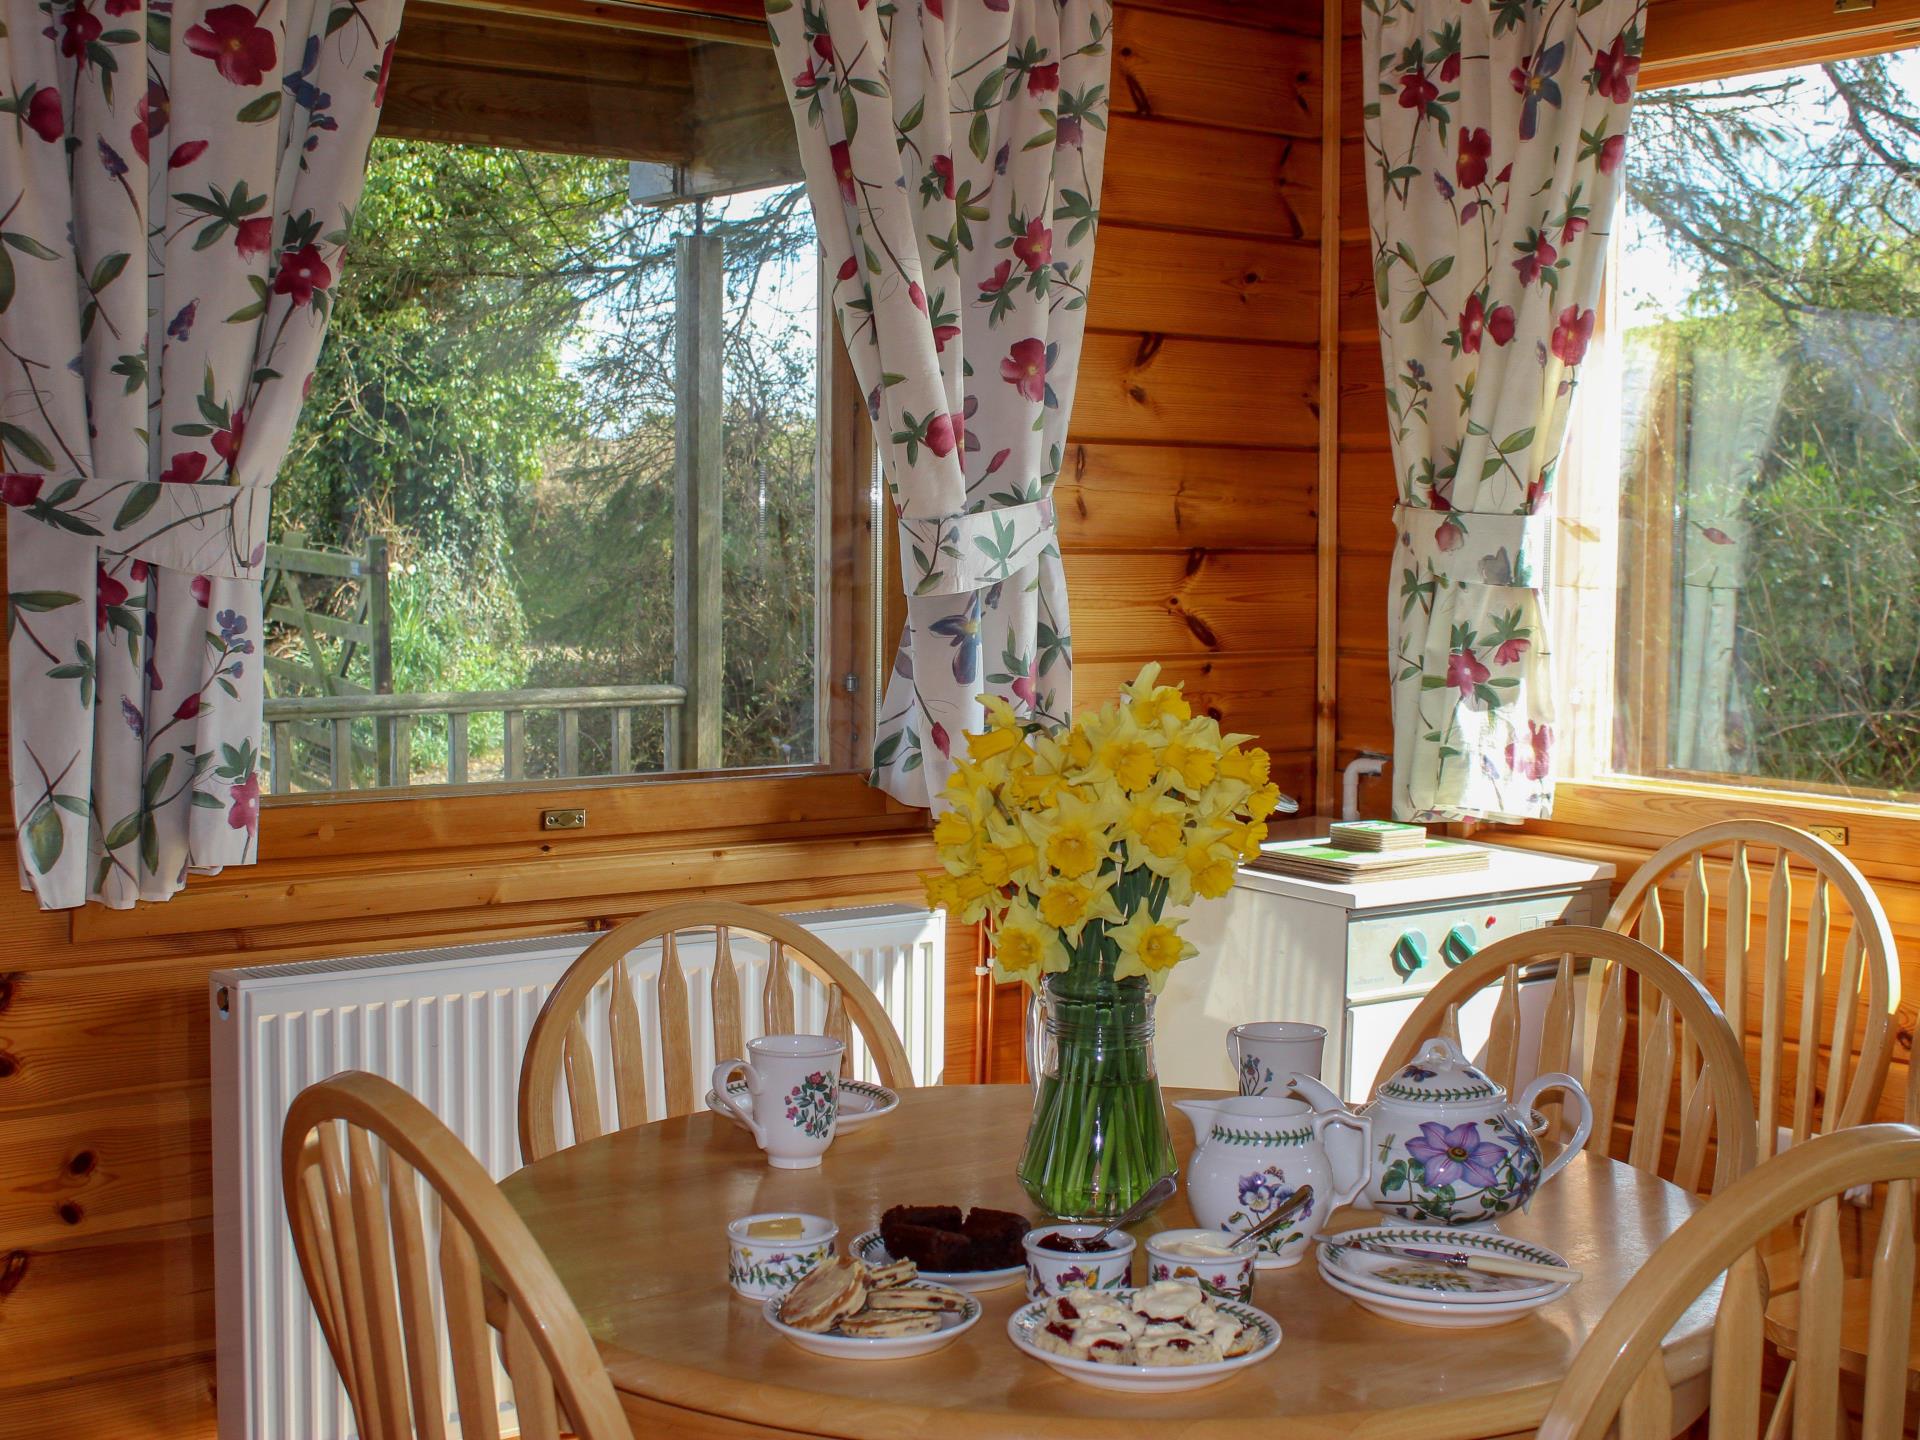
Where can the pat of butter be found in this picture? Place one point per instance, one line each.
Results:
(787, 1227)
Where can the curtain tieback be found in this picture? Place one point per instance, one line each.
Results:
(958, 554)
(1470, 547)
(217, 530)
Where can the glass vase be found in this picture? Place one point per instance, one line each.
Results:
(1098, 1139)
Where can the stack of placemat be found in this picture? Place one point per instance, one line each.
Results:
(1357, 850)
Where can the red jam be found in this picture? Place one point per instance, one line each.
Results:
(1072, 1244)
(1060, 1328)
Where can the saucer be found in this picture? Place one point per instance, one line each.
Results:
(1425, 1282)
(1438, 1314)
(861, 1101)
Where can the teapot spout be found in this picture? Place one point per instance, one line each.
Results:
(1319, 1096)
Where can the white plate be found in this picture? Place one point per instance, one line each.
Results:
(872, 1249)
(861, 1101)
(953, 1324)
(1439, 1314)
(1145, 1379)
(1406, 1278)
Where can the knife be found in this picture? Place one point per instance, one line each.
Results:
(1460, 1260)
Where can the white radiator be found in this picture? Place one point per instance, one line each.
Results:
(450, 1026)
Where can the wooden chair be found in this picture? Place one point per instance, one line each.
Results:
(1858, 1325)
(363, 1237)
(560, 1047)
(1619, 1378)
(1862, 987)
(1678, 1021)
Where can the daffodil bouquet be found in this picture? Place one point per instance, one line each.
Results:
(1081, 849)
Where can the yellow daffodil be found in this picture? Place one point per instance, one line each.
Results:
(1068, 905)
(1189, 765)
(1205, 867)
(1262, 802)
(1150, 947)
(1025, 947)
(1074, 838)
(985, 744)
(1007, 857)
(1250, 766)
(1245, 838)
(1041, 831)
(1152, 704)
(1154, 826)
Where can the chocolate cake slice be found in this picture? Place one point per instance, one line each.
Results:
(934, 1217)
(940, 1250)
(996, 1237)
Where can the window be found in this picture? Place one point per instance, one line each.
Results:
(1745, 473)
(490, 560)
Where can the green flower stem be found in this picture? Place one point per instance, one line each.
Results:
(1099, 1137)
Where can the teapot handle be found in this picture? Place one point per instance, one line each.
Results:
(1362, 1128)
(1582, 1128)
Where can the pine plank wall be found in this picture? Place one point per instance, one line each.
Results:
(1189, 522)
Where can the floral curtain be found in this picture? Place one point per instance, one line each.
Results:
(176, 186)
(953, 151)
(1495, 134)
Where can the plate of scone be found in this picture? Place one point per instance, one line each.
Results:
(976, 1251)
(1161, 1337)
(851, 1310)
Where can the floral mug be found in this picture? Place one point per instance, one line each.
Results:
(793, 1096)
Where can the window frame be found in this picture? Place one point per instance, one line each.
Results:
(824, 798)
(1688, 42)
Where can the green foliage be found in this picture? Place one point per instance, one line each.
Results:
(496, 398)
(1791, 205)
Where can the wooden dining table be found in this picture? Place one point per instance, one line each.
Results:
(634, 1222)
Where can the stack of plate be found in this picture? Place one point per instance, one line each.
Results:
(1421, 1292)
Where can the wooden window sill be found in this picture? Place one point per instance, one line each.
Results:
(483, 848)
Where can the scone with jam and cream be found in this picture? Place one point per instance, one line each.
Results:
(1170, 1322)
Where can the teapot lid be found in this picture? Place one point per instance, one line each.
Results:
(1440, 1074)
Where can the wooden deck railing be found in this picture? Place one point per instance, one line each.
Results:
(394, 716)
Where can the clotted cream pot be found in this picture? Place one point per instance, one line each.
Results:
(1448, 1147)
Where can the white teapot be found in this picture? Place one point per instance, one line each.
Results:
(1254, 1151)
(1450, 1148)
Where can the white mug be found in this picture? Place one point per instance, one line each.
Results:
(1265, 1052)
(793, 1086)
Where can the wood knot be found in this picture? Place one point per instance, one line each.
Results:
(8, 985)
(71, 1213)
(82, 1163)
(9, 1066)
(1149, 347)
(12, 1271)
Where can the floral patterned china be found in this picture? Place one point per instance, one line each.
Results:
(1255, 1151)
(873, 1250)
(953, 1325)
(792, 1102)
(861, 1103)
(1449, 1147)
(1026, 1323)
(763, 1268)
(1050, 1270)
(1205, 1257)
(1454, 1314)
(1348, 1257)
